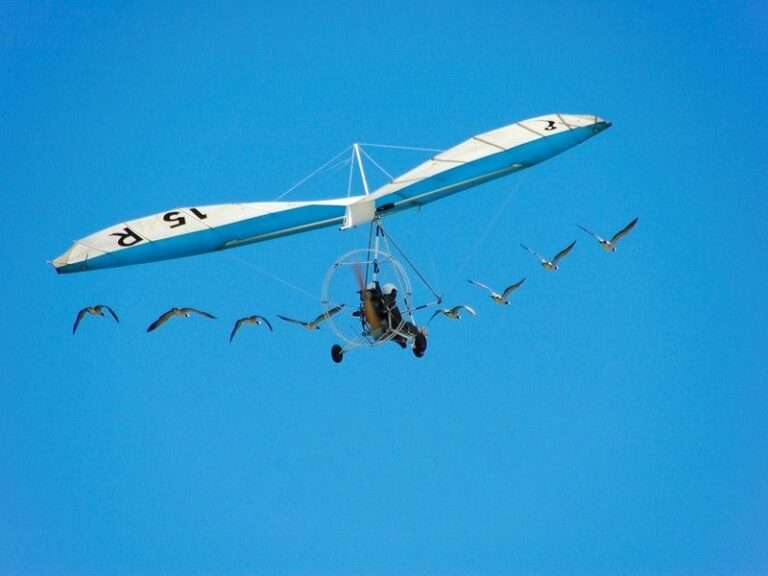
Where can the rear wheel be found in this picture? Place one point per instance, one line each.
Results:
(419, 345)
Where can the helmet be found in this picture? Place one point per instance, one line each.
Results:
(390, 289)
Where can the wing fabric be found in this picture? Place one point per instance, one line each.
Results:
(488, 156)
(197, 230)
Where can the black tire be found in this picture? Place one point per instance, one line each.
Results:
(337, 353)
(420, 345)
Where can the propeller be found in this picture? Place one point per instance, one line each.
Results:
(368, 308)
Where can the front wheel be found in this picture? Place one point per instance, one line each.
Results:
(337, 353)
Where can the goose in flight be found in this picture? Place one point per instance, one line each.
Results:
(503, 297)
(551, 264)
(454, 312)
(185, 312)
(249, 320)
(610, 245)
(313, 324)
(97, 310)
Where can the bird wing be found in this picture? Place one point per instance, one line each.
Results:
(564, 252)
(438, 312)
(80, 315)
(326, 315)
(111, 312)
(160, 321)
(491, 290)
(196, 311)
(265, 322)
(292, 320)
(509, 289)
(623, 231)
(236, 328)
(460, 307)
(539, 256)
(599, 238)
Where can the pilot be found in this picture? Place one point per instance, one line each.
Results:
(389, 300)
(376, 298)
(396, 322)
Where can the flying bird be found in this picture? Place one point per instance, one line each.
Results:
(503, 297)
(97, 310)
(551, 264)
(249, 320)
(314, 324)
(610, 245)
(454, 312)
(185, 312)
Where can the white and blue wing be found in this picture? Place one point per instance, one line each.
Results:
(197, 230)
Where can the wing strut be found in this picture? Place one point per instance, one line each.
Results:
(377, 231)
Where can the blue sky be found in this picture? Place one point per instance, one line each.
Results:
(610, 421)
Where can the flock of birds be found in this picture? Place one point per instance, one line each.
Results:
(454, 312)
(186, 312)
(549, 265)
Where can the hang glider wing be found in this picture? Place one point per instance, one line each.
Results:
(489, 156)
(196, 230)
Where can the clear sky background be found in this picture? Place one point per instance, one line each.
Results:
(611, 420)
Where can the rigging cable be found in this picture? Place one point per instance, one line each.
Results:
(274, 277)
(481, 238)
(323, 167)
(389, 238)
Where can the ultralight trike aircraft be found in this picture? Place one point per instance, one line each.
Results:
(384, 311)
